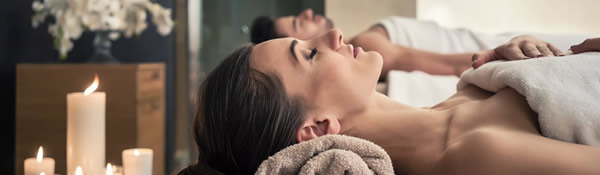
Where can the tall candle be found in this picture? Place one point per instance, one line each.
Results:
(109, 169)
(39, 164)
(78, 171)
(86, 130)
(137, 161)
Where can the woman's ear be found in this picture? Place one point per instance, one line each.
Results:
(316, 127)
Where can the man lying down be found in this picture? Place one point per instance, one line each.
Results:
(527, 116)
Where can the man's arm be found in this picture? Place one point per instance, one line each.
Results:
(396, 57)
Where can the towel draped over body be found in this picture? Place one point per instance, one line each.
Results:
(564, 91)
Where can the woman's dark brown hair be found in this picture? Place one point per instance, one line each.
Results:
(244, 116)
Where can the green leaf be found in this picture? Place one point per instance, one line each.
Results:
(56, 42)
(62, 57)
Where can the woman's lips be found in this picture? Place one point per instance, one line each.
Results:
(352, 50)
(356, 51)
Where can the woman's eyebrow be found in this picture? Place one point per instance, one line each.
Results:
(292, 49)
(294, 23)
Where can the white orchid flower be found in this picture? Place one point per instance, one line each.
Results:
(118, 17)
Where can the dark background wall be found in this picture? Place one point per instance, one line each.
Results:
(222, 31)
(20, 43)
(224, 22)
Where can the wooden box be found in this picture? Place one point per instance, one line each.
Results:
(135, 109)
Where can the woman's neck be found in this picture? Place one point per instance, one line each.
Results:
(382, 108)
(399, 128)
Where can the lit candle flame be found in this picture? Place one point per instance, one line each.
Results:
(40, 155)
(109, 170)
(78, 171)
(92, 87)
(136, 152)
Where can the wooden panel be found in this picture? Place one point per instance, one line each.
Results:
(151, 112)
(150, 83)
(41, 108)
(151, 130)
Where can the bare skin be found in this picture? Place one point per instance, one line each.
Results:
(472, 132)
(590, 44)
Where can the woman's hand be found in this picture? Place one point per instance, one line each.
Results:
(519, 48)
(590, 44)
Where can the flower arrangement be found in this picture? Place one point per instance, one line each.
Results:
(73, 17)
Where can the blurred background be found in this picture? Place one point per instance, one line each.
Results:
(207, 30)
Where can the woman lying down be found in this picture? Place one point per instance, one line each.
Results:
(264, 98)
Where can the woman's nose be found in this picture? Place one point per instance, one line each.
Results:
(308, 14)
(334, 38)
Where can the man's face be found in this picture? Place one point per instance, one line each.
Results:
(305, 26)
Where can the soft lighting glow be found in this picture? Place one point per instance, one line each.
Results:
(42, 173)
(40, 155)
(136, 152)
(78, 171)
(92, 87)
(109, 170)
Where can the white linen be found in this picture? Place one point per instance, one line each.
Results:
(428, 35)
(419, 89)
(564, 91)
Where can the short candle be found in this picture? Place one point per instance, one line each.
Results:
(137, 161)
(39, 164)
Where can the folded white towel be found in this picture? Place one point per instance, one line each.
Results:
(564, 91)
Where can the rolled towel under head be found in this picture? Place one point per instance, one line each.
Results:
(329, 154)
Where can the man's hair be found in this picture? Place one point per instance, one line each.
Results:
(263, 29)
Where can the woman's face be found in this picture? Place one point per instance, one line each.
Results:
(329, 75)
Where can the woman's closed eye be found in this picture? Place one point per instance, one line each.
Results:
(312, 54)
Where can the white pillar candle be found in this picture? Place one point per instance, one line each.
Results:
(117, 170)
(109, 169)
(78, 171)
(137, 161)
(39, 164)
(86, 130)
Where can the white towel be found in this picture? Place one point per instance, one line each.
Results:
(329, 154)
(564, 91)
(430, 36)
